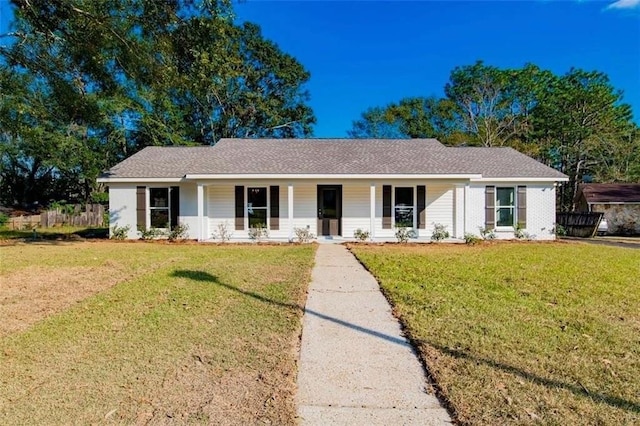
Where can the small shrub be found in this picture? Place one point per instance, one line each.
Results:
(559, 230)
(487, 234)
(361, 235)
(178, 233)
(521, 234)
(471, 239)
(403, 234)
(149, 234)
(257, 233)
(439, 232)
(3, 219)
(223, 233)
(120, 232)
(303, 235)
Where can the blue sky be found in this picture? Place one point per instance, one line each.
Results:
(363, 54)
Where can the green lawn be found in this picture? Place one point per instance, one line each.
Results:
(189, 334)
(522, 332)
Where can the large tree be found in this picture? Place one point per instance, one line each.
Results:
(576, 122)
(577, 117)
(418, 117)
(118, 75)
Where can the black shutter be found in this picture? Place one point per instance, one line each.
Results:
(141, 207)
(239, 208)
(386, 207)
(490, 207)
(522, 206)
(274, 211)
(422, 206)
(174, 202)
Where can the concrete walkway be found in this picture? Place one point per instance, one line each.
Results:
(356, 368)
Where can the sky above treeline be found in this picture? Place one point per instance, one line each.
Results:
(364, 54)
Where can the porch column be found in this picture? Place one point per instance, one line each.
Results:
(459, 210)
(290, 210)
(200, 201)
(372, 212)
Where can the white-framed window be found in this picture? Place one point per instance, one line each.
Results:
(404, 207)
(159, 208)
(257, 207)
(505, 206)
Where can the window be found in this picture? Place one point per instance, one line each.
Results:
(505, 206)
(159, 207)
(404, 207)
(257, 207)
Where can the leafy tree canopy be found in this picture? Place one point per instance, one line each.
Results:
(85, 84)
(576, 122)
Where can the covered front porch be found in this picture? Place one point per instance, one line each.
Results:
(331, 209)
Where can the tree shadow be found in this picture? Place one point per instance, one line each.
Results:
(539, 380)
(206, 277)
(549, 383)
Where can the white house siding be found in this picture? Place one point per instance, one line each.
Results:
(305, 213)
(189, 208)
(541, 210)
(221, 207)
(122, 207)
(439, 206)
(356, 208)
(458, 206)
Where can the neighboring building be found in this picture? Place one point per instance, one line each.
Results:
(620, 203)
(333, 187)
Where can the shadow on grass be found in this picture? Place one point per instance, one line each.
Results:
(207, 277)
(549, 383)
(50, 236)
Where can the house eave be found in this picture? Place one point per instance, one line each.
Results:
(140, 180)
(521, 179)
(300, 176)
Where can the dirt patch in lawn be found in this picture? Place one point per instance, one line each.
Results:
(196, 393)
(31, 294)
(150, 333)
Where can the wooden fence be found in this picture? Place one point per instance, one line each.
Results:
(579, 224)
(93, 215)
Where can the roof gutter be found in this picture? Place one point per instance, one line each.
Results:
(523, 179)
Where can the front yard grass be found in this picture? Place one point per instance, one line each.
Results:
(523, 332)
(170, 333)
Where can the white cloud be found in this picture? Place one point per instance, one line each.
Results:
(624, 4)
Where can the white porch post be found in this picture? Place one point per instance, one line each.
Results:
(290, 210)
(460, 208)
(200, 201)
(372, 212)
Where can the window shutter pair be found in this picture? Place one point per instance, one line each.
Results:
(274, 211)
(387, 208)
(141, 206)
(490, 207)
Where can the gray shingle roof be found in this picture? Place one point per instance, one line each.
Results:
(328, 157)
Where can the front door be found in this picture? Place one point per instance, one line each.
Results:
(329, 209)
